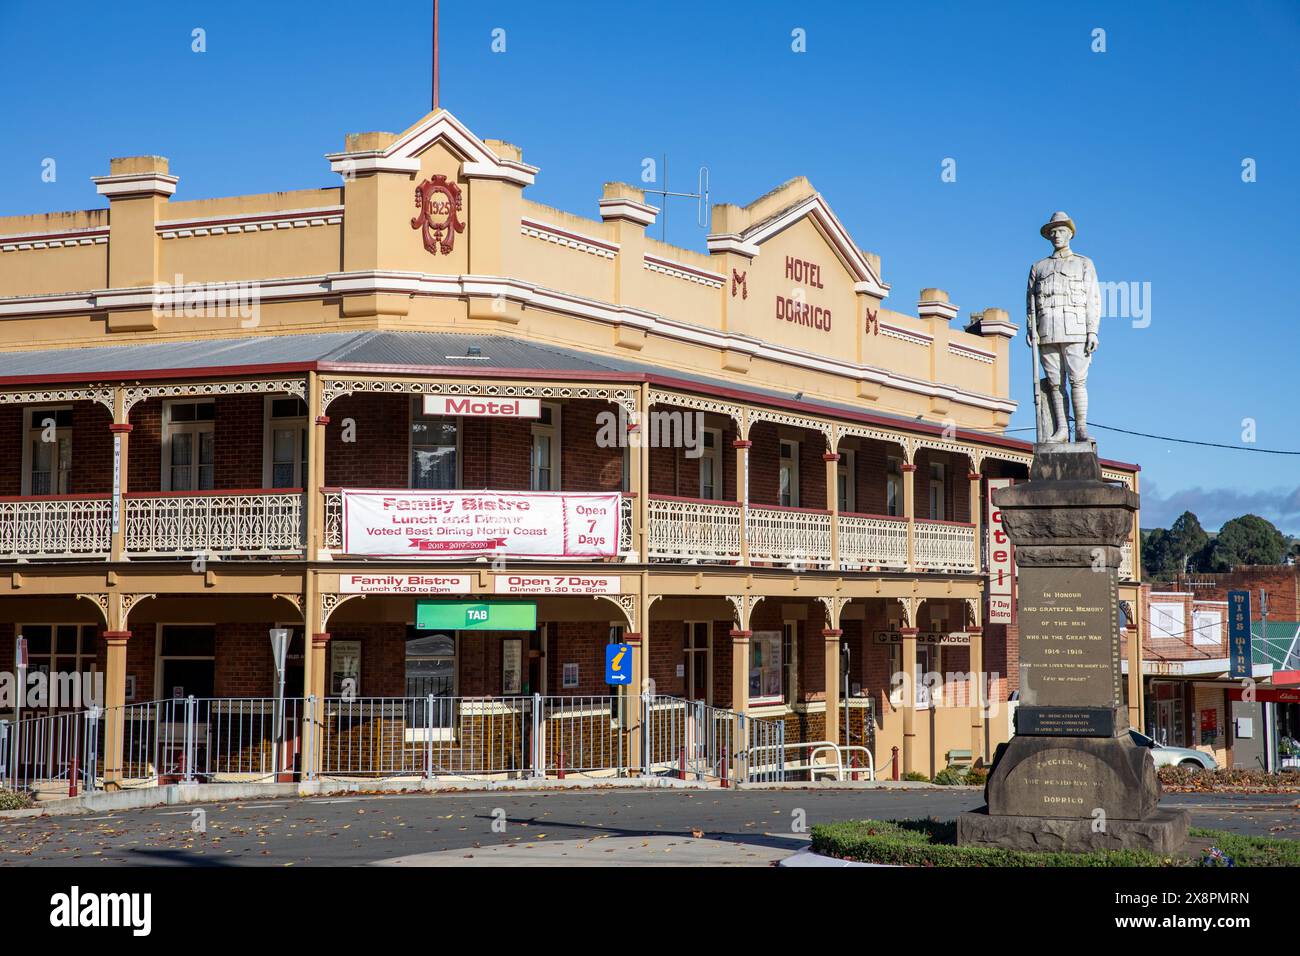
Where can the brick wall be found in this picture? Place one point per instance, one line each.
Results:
(11, 450)
(144, 465)
(237, 441)
(666, 652)
(585, 466)
(1002, 652)
(1280, 581)
(379, 427)
(92, 450)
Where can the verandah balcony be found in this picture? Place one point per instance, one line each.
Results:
(253, 523)
(237, 523)
(256, 523)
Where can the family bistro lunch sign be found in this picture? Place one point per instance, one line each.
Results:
(447, 525)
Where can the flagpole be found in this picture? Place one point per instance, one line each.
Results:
(435, 54)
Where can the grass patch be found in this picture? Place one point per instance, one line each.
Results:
(1252, 850)
(934, 843)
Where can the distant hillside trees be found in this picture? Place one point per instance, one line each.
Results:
(1185, 546)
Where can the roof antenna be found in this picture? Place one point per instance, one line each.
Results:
(703, 211)
(435, 54)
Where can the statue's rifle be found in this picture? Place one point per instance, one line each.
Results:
(1038, 379)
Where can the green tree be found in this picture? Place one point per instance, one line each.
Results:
(1187, 537)
(1159, 562)
(1249, 539)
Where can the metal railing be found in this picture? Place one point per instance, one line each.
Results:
(54, 754)
(423, 736)
(695, 741)
(873, 541)
(789, 535)
(260, 739)
(583, 735)
(62, 526)
(243, 523)
(694, 530)
(945, 546)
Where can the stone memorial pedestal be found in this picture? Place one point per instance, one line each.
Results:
(1071, 778)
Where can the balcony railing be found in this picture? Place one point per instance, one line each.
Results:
(873, 542)
(789, 535)
(693, 530)
(235, 523)
(55, 526)
(945, 546)
(270, 523)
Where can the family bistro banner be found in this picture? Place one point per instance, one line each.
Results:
(465, 524)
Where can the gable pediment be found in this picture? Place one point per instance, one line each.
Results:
(812, 208)
(402, 153)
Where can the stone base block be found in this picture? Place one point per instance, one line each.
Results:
(1163, 832)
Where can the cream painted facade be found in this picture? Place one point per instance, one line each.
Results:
(781, 325)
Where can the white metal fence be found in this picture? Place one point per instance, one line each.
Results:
(221, 740)
(55, 527)
(693, 530)
(243, 524)
(945, 546)
(789, 535)
(873, 541)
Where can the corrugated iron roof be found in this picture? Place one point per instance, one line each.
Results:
(372, 347)
(387, 348)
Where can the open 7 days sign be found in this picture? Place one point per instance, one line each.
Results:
(447, 525)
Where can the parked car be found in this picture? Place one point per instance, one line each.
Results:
(1166, 756)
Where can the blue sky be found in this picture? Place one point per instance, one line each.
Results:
(1142, 144)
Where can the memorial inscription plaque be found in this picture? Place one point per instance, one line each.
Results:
(1071, 681)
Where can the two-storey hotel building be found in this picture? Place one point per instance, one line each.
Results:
(459, 442)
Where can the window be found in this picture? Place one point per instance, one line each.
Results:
(846, 477)
(430, 672)
(48, 451)
(937, 486)
(766, 675)
(789, 489)
(790, 658)
(894, 487)
(927, 662)
(895, 672)
(545, 458)
(285, 456)
(345, 669)
(430, 663)
(186, 661)
(435, 458)
(711, 482)
(188, 445)
(67, 650)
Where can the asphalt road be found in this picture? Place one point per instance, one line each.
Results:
(603, 826)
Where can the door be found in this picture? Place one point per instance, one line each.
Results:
(697, 641)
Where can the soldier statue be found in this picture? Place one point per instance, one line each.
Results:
(1063, 304)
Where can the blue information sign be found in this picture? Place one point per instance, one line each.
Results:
(1239, 665)
(618, 664)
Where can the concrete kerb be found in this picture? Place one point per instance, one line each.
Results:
(180, 794)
